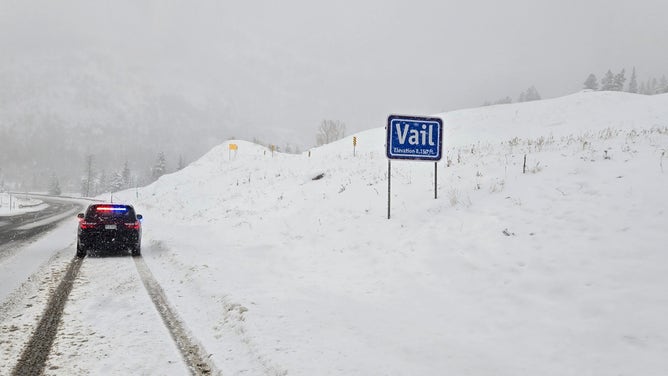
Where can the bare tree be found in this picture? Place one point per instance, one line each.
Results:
(329, 131)
(89, 175)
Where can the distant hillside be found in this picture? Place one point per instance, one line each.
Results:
(530, 127)
(572, 114)
(57, 109)
(549, 270)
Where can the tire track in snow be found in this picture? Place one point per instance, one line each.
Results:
(195, 356)
(33, 357)
(22, 309)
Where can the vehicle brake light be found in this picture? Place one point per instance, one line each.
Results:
(85, 225)
(133, 225)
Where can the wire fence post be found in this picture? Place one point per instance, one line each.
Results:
(524, 167)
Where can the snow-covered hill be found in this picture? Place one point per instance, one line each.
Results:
(557, 271)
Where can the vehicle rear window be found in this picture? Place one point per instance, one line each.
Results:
(110, 212)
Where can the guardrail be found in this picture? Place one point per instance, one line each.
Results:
(30, 205)
(19, 194)
(16, 197)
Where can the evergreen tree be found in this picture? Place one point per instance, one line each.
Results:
(506, 100)
(646, 86)
(54, 186)
(608, 81)
(126, 178)
(522, 98)
(633, 84)
(662, 87)
(643, 88)
(85, 187)
(618, 82)
(102, 183)
(160, 167)
(182, 163)
(532, 94)
(591, 82)
(116, 181)
(86, 190)
(652, 87)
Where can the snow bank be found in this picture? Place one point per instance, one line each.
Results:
(560, 270)
(19, 204)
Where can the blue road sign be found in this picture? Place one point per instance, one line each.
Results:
(417, 138)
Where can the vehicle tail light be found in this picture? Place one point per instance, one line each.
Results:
(133, 225)
(84, 225)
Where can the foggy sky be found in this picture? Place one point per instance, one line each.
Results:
(286, 65)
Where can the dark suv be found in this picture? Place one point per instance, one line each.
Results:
(109, 226)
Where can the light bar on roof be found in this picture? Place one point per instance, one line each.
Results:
(111, 208)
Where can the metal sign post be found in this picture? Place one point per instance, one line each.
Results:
(389, 191)
(435, 180)
(414, 138)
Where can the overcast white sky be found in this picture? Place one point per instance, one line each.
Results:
(289, 64)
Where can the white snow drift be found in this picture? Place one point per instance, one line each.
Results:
(560, 270)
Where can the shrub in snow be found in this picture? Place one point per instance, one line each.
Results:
(497, 186)
(537, 168)
(607, 134)
(456, 198)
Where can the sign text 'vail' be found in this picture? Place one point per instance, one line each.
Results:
(417, 138)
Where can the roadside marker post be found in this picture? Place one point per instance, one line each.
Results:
(232, 147)
(413, 138)
(354, 144)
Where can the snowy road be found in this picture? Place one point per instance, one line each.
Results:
(104, 314)
(112, 328)
(28, 224)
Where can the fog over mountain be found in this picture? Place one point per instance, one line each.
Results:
(125, 80)
(62, 108)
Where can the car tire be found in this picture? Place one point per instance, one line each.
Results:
(81, 251)
(136, 250)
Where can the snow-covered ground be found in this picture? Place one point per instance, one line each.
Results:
(18, 204)
(557, 271)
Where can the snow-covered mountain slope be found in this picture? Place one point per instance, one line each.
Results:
(559, 270)
(573, 114)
